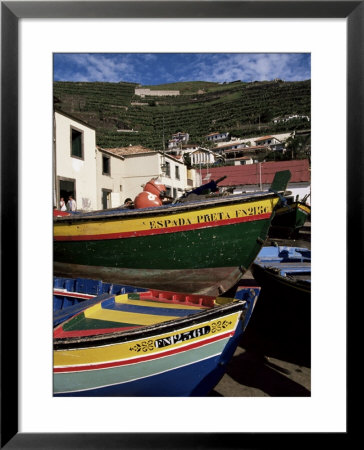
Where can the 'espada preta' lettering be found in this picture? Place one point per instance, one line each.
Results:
(181, 337)
(208, 218)
(154, 224)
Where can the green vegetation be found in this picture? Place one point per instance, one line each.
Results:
(243, 109)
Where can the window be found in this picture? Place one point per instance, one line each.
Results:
(168, 169)
(177, 173)
(76, 143)
(168, 191)
(174, 193)
(105, 165)
(106, 198)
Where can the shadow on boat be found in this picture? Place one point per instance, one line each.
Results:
(253, 369)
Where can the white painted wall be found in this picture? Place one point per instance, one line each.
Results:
(127, 176)
(113, 182)
(81, 170)
(139, 169)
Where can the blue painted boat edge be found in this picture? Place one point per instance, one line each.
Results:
(63, 314)
(275, 253)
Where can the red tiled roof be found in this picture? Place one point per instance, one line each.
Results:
(263, 138)
(249, 174)
(131, 150)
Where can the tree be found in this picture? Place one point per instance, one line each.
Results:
(187, 160)
(299, 146)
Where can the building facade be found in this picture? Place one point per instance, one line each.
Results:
(74, 161)
(109, 179)
(140, 168)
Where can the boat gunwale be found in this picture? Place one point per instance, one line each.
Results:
(117, 337)
(164, 209)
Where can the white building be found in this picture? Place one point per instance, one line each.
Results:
(100, 178)
(216, 136)
(291, 117)
(141, 165)
(109, 179)
(178, 139)
(74, 161)
(267, 140)
(204, 156)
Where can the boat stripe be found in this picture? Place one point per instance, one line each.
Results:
(150, 232)
(164, 302)
(66, 293)
(155, 310)
(140, 378)
(86, 367)
(60, 333)
(304, 208)
(133, 318)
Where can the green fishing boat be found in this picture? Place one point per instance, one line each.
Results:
(200, 246)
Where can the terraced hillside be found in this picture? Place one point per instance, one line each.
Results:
(243, 109)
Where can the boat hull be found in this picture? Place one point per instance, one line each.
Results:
(192, 236)
(194, 373)
(182, 358)
(290, 219)
(212, 281)
(289, 288)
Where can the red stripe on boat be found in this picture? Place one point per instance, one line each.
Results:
(72, 294)
(154, 231)
(142, 358)
(60, 333)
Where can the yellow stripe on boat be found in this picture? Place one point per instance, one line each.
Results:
(127, 225)
(125, 317)
(123, 299)
(147, 346)
(305, 208)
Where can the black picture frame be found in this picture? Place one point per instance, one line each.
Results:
(11, 12)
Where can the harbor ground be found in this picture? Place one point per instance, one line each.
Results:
(268, 362)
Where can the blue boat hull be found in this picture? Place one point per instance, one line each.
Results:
(193, 380)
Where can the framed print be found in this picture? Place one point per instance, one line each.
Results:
(31, 33)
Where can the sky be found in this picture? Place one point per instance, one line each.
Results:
(161, 68)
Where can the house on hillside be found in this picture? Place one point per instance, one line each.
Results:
(178, 139)
(204, 156)
(243, 160)
(155, 93)
(290, 117)
(226, 147)
(271, 142)
(197, 155)
(266, 140)
(74, 163)
(255, 177)
(232, 155)
(217, 137)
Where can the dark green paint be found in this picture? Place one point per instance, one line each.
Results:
(223, 246)
(292, 218)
